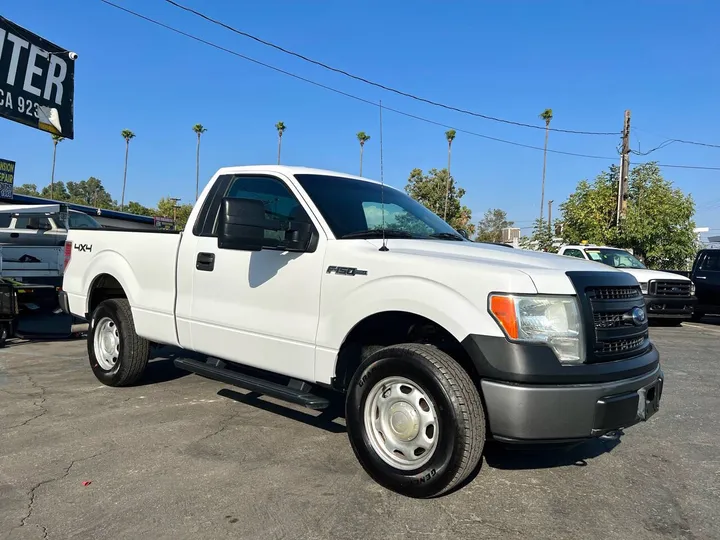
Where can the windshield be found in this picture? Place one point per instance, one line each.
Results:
(617, 258)
(354, 209)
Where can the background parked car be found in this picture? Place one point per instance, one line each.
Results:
(668, 296)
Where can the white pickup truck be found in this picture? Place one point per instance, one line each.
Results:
(305, 284)
(668, 297)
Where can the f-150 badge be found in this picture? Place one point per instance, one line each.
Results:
(346, 271)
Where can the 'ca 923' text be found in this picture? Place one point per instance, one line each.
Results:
(21, 105)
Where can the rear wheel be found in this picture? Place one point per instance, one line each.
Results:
(415, 420)
(118, 356)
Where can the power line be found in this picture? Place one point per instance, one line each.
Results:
(342, 93)
(369, 102)
(671, 140)
(376, 84)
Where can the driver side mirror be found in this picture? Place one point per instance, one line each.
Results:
(243, 225)
(464, 234)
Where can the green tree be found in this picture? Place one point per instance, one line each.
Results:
(362, 138)
(55, 140)
(199, 129)
(280, 126)
(541, 238)
(58, 192)
(658, 226)
(547, 116)
(137, 208)
(128, 136)
(430, 190)
(168, 207)
(489, 228)
(589, 213)
(90, 192)
(27, 189)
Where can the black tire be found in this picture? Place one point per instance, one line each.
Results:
(460, 415)
(133, 351)
(4, 334)
(697, 316)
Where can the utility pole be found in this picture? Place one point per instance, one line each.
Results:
(175, 207)
(550, 216)
(624, 170)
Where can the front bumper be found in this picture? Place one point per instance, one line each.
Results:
(524, 413)
(664, 307)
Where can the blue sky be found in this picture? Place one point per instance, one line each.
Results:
(588, 61)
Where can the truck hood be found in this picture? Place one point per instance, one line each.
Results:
(644, 275)
(546, 270)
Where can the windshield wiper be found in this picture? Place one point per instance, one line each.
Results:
(378, 233)
(447, 236)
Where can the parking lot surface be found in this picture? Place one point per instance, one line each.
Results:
(185, 457)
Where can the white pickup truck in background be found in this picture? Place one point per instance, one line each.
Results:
(668, 297)
(283, 281)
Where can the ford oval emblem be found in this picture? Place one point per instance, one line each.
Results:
(638, 316)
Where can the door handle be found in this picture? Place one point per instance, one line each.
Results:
(700, 277)
(14, 235)
(205, 262)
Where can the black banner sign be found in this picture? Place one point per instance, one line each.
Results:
(7, 179)
(37, 81)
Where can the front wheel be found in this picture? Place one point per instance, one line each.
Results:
(118, 356)
(415, 420)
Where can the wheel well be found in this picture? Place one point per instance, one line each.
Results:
(389, 328)
(103, 288)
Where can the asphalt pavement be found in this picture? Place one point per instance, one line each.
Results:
(184, 457)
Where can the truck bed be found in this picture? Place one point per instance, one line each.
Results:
(141, 261)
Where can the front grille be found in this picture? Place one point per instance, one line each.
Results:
(611, 320)
(621, 345)
(615, 334)
(613, 293)
(670, 288)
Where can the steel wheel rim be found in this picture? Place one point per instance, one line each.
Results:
(106, 343)
(401, 423)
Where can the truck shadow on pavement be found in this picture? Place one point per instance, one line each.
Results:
(521, 457)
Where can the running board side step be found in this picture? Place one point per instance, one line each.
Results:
(296, 392)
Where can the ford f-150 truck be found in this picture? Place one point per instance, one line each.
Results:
(303, 284)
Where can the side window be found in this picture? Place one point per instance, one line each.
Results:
(711, 262)
(82, 221)
(37, 223)
(5, 220)
(573, 253)
(280, 204)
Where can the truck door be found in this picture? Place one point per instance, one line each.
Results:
(707, 280)
(258, 308)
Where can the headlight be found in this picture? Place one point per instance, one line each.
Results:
(692, 289)
(644, 287)
(553, 320)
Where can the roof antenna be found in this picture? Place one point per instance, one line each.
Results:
(382, 185)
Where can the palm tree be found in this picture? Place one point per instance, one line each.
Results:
(199, 129)
(127, 135)
(546, 115)
(450, 136)
(280, 126)
(363, 138)
(55, 139)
